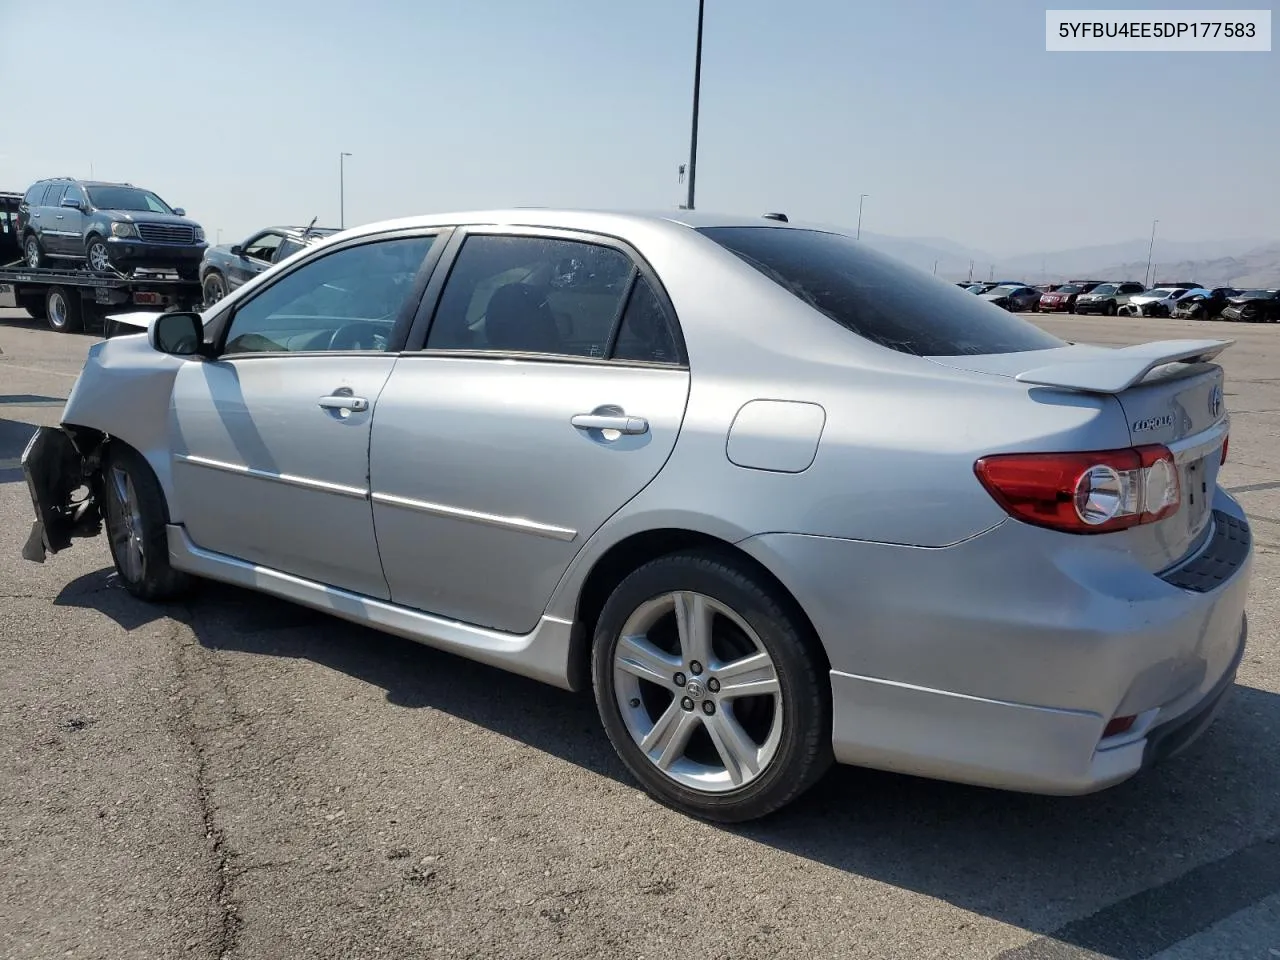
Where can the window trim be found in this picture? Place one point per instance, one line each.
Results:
(424, 320)
(222, 321)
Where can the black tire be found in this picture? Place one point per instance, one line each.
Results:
(1110, 308)
(803, 752)
(155, 580)
(32, 252)
(214, 287)
(91, 246)
(63, 310)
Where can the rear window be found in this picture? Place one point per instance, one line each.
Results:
(879, 298)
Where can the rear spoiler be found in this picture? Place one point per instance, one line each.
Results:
(1124, 367)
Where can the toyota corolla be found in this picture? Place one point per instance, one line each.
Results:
(777, 499)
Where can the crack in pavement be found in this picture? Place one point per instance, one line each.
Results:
(219, 850)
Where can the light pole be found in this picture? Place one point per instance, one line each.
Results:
(697, 89)
(342, 190)
(1151, 246)
(861, 197)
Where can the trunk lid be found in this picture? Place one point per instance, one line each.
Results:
(1170, 393)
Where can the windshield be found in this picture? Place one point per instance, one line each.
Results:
(127, 198)
(1105, 288)
(880, 298)
(1070, 288)
(1004, 290)
(1159, 293)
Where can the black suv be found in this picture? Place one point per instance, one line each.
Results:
(115, 227)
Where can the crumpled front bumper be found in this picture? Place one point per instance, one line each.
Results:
(55, 470)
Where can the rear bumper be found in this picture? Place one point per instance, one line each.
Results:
(1001, 660)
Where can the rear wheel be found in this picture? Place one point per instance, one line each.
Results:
(32, 252)
(709, 688)
(136, 516)
(62, 310)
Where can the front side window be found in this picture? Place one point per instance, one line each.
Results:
(53, 196)
(127, 198)
(532, 295)
(879, 298)
(264, 247)
(346, 300)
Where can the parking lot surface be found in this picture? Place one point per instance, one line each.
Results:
(239, 777)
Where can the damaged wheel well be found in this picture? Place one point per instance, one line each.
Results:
(60, 463)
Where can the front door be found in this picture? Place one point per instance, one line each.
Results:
(271, 440)
(550, 391)
(255, 256)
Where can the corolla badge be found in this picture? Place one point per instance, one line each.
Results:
(1215, 401)
(1152, 423)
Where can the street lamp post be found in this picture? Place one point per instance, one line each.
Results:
(861, 197)
(1151, 246)
(342, 190)
(697, 89)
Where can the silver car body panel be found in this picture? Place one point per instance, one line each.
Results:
(962, 643)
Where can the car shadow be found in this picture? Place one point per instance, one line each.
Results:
(1126, 873)
(14, 435)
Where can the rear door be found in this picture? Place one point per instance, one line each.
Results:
(549, 391)
(53, 219)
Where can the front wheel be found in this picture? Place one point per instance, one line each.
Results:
(98, 255)
(710, 688)
(215, 287)
(136, 517)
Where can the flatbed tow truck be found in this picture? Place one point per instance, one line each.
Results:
(71, 298)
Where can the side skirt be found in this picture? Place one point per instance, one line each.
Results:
(543, 654)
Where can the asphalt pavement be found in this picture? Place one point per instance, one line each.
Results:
(239, 777)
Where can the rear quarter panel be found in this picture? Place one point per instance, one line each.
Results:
(895, 458)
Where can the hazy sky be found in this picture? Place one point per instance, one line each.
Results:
(950, 114)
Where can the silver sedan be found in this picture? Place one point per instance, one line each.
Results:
(776, 499)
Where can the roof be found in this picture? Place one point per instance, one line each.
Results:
(601, 220)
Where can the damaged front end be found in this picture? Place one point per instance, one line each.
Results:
(63, 470)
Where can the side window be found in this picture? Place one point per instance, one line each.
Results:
(53, 196)
(531, 295)
(264, 247)
(33, 194)
(345, 300)
(645, 334)
(74, 193)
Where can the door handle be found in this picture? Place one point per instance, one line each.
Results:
(57, 216)
(619, 422)
(338, 402)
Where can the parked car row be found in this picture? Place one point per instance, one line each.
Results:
(1184, 299)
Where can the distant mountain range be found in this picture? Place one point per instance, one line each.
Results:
(1241, 263)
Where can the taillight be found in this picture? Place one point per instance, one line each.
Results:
(1095, 492)
(1226, 441)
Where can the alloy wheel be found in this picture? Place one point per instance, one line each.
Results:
(126, 532)
(99, 260)
(698, 692)
(33, 253)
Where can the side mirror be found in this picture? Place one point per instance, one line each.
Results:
(237, 250)
(177, 334)
(179, 212)
(72, 202)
